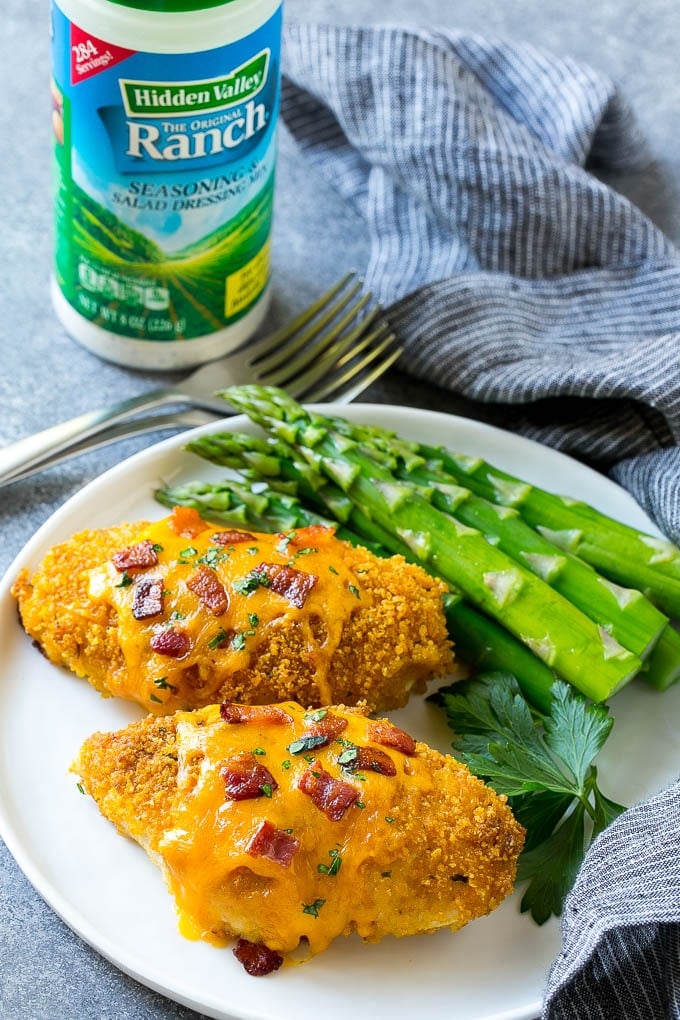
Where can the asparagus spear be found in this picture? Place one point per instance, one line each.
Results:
(567, 641)
(624, 554)
(627, 556)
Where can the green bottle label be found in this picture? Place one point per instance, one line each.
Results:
(164, 179)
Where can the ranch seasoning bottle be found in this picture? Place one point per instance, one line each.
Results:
(164, 117)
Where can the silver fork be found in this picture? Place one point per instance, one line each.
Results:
(330, 352)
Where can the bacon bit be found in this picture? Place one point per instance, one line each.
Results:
(385, 733)
(375, 761)
(257, 959)
(244, 777)
(209, 590)
(332, 796)
(275, 844)
(309, 534)
(135, 557)
(232, 537)
(264, 714)
(330, 727)
(173, 643)
(186, 521)
(294, 585)
(148, 598)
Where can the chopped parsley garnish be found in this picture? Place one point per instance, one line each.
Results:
(349, 758)
(212, 557)
(355, 591)
(266, 789)
(359, 804)
(253, 619)
(286, 764)
(282, 546)
(157, 547)
(218, 639)
(125, 581)
(313, 908)
(389, 819)
(334, 867)
(152, 697)
(163, 685)
(175, 615)
(186, 554)
(81, 788)
(317, 715)
(252, 550)
(238, 641)
(307, 743)
(302, 552)
(332, 569)
(251, 582)
(259, 750)
(543, 763)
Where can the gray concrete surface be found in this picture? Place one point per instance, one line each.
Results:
(47, 973)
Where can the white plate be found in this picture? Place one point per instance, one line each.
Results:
(107, 890)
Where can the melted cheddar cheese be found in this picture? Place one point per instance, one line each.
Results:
(254, 617)
(286, 827)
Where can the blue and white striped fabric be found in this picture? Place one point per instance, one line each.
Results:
(515, 276)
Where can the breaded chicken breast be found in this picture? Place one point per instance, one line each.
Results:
(179, 614)
(278, 826)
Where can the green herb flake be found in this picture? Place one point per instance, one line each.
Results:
(349, 757)
(163, 685)
(152, 697)
(238, 641)
(317, 715)
(313, 908)
(217, 640)
(302, 552)
(389, 819)
(332, 569)
(286, 764)
(386, 874)
(253, 619)
(81, 788)
(266, 789)
(212, 557)
(125, 581)
(259, 750)
(251, 582)
(175, 615)
(307, 743)
(186, 554)
(157, 547)
(360, 804)
(282, 546)
(355, 591)
(333, 868)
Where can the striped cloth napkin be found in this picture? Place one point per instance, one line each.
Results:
(517, 277)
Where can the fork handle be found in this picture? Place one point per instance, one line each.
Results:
(16, 458)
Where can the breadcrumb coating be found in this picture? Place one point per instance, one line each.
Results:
(426, 845)
(365, 629)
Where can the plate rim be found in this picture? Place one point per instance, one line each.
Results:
(43, 885)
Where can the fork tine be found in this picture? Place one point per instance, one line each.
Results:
(289, 334)
(322, 351)
(342, 352)
(301, 342)
(357, 377)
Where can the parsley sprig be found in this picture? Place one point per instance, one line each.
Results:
(544, 764)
